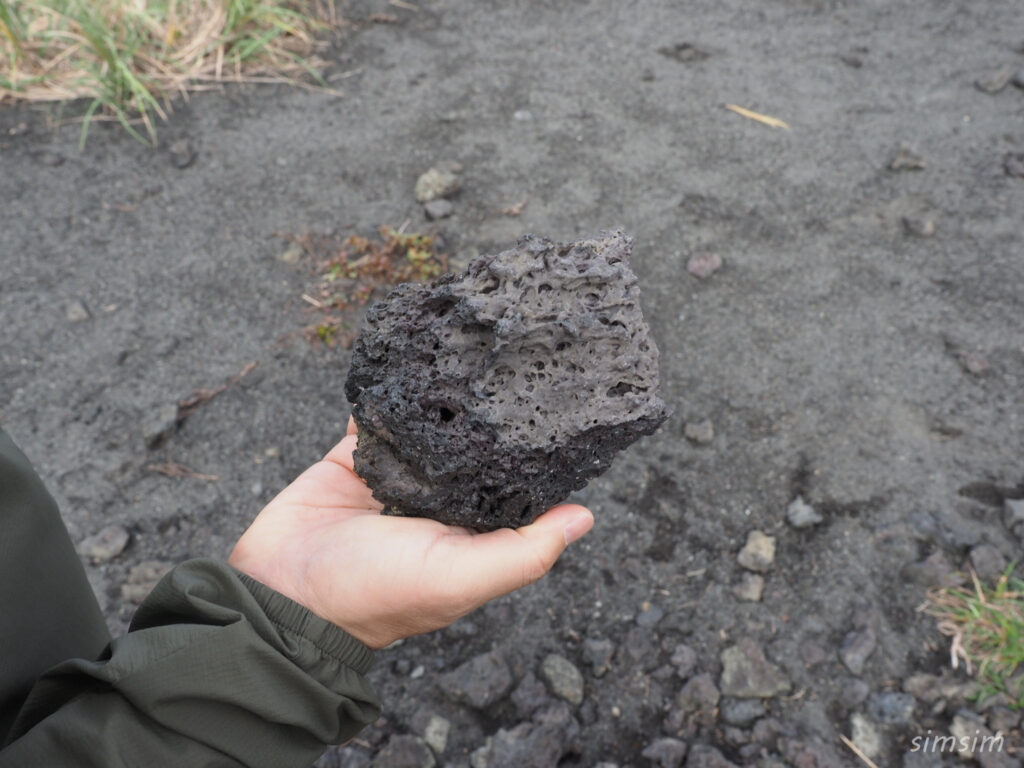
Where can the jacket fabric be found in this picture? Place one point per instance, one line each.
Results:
(216, 669)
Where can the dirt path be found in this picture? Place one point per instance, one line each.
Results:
(862, 347)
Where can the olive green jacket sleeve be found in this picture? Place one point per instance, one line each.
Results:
(216, 670)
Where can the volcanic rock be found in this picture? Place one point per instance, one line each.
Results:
(485, 397)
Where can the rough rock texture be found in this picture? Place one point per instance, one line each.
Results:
(486, 397)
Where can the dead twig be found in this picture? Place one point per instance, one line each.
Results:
(173, 469)
(515, 209)
(774, 122)
(204, 395)
(857, 751)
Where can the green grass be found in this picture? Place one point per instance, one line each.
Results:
(986, 627)
(128, 58)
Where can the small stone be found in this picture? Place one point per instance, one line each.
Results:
(974, 363)
(666, 752)
(1018, 78)
(854, 692)
(563, 678)
(436, 733)
(417, 672)
(812, 654)
(994, 80)
(435, 184)
(683, 52)
(699, 694)
(891, 707)
(598, 653)
(438, 209)
(865, 736)
(856, 647)
(703, 756)
(479, 682)
(988, 562)
(1014, 511)
(1013, 164)
(182, 153)
(919, 226)
(404, 751)
(142, 578)
(649, 616)
(750, 588)
(76, 312)
(160, 424)
(906, 159)
(290, 255)
(741, 712)
(747, 674)
(758, 553)
(700, 432)
(704, 264)
(1003, 719)
(934, 571)
(530, 695)
(105, 545)
(800, 514)
(522, 115)
(684, 659)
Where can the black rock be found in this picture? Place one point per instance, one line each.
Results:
(486, 397)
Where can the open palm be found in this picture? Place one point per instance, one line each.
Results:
(323, 542)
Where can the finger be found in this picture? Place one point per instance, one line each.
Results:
(499, 562)
(342, 452)
(351, 428)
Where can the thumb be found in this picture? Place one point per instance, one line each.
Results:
(502, 561)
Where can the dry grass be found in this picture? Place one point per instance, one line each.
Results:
(130, 57)
(986, 630)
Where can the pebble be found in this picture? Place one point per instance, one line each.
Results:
(684, 659)
(704, 264)
(159, 424)
(438, 209)
(857, 646)
(906, 159)
(698, 694)
(142, 578)
(530, 695)
(974, 363)
(684, 52)
(934, 571)
(479, 682)
(703, 756)
(865, 735)
(1003, 719)
(522, 115)
(994, 80)
(665, 752)
(435, 184)
(988, 562)
(76, 312)
(750, 588)
(649, 616)
(182, 154)
(747, 674)
(404, 751)
(436, 733)
(854, 692)
(891, 707)
(741, 712)
(1014, 510)
(418, 671)
(290, 255)
(563, 678)
(919, 226)
(699, 432)
(105, 545)
(1013, 164)
(800, 514)
(758, 553)
(598, 653)
(1018, 78)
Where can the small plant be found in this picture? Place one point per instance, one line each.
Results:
(351, 272)
(986, 627)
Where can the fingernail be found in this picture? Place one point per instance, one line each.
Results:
(579, 526)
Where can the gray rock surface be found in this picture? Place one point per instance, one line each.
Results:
(758, 553)
(747, 674)
(857, 646)
(665, 752)
(484, 398)
(479, 682)
(105, 544)
(699, 693)
(564, 679)
(405, 751)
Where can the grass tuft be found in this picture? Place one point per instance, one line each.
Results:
(130, 57)
(986, 627)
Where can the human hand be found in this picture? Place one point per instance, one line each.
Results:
(323, 543)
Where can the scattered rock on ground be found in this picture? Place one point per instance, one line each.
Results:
(76, 311)
(684, 659)
(933, 571)
(665, 752)
(704, 265)
(988, 562)
(436, 733)
(436, 184)
(994, 80)
(104, 545)
(1013, 164)
(159, 424)
(404, 751)
(747, 674)
(142, 578)
(1014, 512)
(891, 707)
(182, 153)
(758, 553)
(703, 756)
(698, 694)
(800, 514)
(919, 226)
(530, 695)
(855, 692)
(906, 159)
(649, 616)
(865, 735)
(479, 682)
(563, 678)
(438, 209)
(740, 712)
(598, 653)
(1018, 78)
(699, 432)
(750, 588)
(857, 646)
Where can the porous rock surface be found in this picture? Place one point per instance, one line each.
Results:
(485, 397)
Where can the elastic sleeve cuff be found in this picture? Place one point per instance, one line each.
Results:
(297, 620)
